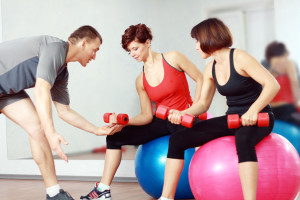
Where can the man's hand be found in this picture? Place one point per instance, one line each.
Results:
(54, 141)
(109, 129)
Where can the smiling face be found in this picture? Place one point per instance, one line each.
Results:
(88, 51)
(139, 51)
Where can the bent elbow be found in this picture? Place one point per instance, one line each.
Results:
(149, 118)
(62, 113)
(277, 87)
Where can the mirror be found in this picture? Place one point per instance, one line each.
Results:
(107, 84)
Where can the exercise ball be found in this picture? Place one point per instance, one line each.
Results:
(209, 115)
(150, 164)
(290, 131)
(213, 172)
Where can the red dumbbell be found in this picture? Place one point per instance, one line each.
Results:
(234, 121)
(121, 118)
(162, 112)
(203, 116)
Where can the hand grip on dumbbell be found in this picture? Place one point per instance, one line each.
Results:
(121, 118)
(234, 121)
(162, 112)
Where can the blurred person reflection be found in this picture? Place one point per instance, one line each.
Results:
(287, 100)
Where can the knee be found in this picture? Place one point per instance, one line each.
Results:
(176, 147)
(245, 149)
(111, 143)
(173, 142)
(244, 140)
(36, 132)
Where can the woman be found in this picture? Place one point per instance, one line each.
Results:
(248, 87)
(162, 80)
(285, 103)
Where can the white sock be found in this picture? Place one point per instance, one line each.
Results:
(53, 190)
(101, 187)
(163, 198)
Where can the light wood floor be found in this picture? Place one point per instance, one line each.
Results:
(12, 189)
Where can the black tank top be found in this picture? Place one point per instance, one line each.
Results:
(240, 91)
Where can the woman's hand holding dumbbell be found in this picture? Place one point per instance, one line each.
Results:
(261, 119)
(176, 117)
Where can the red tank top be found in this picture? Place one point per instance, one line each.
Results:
(173, 91)
(285, 94)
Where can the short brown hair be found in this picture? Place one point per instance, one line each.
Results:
(212, 34)
(275, 49)
(139, 32)
(87, 32)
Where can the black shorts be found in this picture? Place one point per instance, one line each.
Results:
(6, 100)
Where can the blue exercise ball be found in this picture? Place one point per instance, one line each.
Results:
(289, 131)
(150, 164)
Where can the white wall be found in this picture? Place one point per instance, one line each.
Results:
(108, 83)
(2, 118)
(0, 22)
(114, 72)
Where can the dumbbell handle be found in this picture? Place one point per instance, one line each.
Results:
(122, 118)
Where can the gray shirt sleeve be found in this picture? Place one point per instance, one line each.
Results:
(59, 91)
(51, 59)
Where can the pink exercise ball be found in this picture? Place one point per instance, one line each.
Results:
(209, 115)
(213, 172)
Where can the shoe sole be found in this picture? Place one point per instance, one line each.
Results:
(104, 198)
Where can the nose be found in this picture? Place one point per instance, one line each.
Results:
(94, 56)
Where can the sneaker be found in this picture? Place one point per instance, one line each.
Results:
(96, 194)
(62, 195)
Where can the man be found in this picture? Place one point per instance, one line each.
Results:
(41, 63)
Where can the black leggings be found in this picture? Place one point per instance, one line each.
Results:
(183, 138)
(136, 135)
(245, 137)
(287, 113)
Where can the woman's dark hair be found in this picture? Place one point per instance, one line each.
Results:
(212, 34)
(139, 32)
(87, 32)
(275, 49)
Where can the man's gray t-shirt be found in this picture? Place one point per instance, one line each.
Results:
(23, 60)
